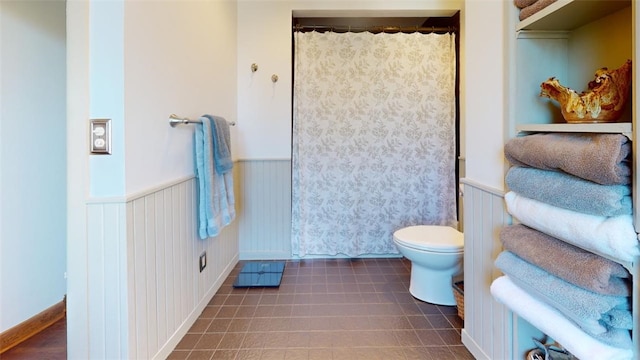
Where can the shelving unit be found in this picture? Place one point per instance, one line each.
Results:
(571, 14)
(604, 128)
(553, 42)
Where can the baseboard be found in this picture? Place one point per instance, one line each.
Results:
(32, 326)
(473, 347)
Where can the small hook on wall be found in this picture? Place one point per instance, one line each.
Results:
(274, 78)
(254, 67)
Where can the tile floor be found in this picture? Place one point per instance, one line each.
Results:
(326, 309)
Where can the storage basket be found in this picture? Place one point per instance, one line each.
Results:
(458, 294)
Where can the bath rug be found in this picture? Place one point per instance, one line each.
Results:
(260, 274)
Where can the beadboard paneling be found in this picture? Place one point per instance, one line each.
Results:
(264, 209)
(107, 285)
(488, 324)
(144, 259)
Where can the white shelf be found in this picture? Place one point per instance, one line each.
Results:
(605, 128)
(570, 14)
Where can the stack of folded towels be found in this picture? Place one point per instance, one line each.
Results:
(530, 7)
(570, 194)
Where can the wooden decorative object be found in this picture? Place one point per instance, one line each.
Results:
(604, 100)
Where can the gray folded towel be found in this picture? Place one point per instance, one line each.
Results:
(570, 263)
(521, 4)
(534, 8)
(569, 192)
(601, 158)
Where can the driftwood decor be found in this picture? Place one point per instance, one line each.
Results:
(604, 101)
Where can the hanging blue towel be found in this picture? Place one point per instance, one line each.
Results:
(221, 144)
(216, 202)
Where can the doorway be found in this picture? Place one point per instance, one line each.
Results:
(32, 159)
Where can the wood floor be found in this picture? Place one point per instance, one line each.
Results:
(50, 344)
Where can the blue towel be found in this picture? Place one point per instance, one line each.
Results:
(569, 192)
(604, 317)
(216, 202)
(221, 144)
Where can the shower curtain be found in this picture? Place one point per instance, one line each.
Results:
(373, 139)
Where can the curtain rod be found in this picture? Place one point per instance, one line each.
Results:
(376, 29)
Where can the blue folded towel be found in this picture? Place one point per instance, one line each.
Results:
(221, 144)
(569, 192)
(216, 202)
(605, 317)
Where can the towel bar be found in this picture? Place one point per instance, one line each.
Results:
(177, 120)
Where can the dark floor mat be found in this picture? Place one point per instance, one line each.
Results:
(260, 274)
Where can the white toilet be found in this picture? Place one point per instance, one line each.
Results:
(436, 255)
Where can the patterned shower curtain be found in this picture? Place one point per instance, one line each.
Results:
(373, 139)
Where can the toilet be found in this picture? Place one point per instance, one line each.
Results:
(436, 255)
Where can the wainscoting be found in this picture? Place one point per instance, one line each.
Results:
(488, 325)
(264, 209)
(144, 285)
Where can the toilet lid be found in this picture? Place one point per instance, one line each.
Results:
(431, 238)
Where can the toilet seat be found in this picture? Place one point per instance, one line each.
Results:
(432, 238)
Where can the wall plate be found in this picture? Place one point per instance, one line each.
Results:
(100, 136)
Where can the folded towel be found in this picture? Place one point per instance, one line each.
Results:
(221, 144)
(520, 4)
(572, 264)
(601, 158)
(613, 237)
(534, 8)
(560, 189)
(216, 202)
(596, 314)
(551, 322)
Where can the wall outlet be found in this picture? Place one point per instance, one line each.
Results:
(203, 261)
(100, 136)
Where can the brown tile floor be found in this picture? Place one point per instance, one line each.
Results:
(326, 309)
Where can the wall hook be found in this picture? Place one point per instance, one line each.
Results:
(254, 67)
(274, 78)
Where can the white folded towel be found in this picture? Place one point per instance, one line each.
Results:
(552, 323)
(614, 236)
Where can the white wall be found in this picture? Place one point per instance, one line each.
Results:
(483, 95)
(179, 57)
(32, 159)
(107, 92)
(150, 60)
(264, 38)
(137, 62)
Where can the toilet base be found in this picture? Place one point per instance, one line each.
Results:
(430, 286)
